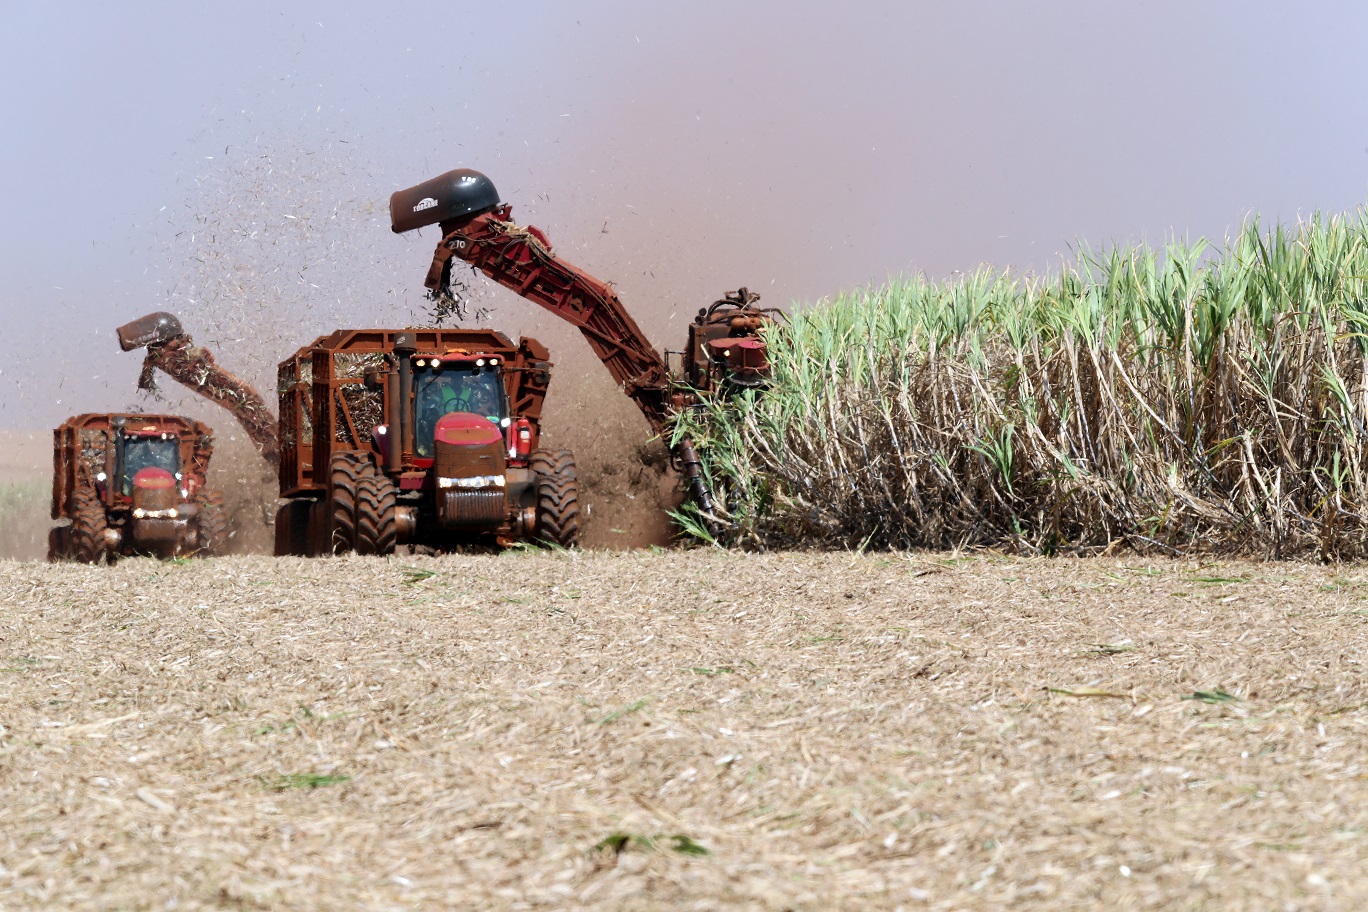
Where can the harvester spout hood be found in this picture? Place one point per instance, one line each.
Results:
(153, 329)
(458, 194)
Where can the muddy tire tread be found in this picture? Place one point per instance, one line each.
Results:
(558, 512)
(292, 529)
(88, 526)
(376, 532)
(59, 544)
(212, 523)
(344, 477)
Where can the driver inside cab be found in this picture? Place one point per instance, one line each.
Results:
(443, 392)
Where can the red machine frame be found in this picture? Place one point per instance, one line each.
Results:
(311, 375)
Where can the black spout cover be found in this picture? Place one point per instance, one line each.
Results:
(454, 195)
(149, 330)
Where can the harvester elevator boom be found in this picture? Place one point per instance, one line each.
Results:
(171, 349)
(521, 260)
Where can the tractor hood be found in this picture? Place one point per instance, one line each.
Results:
(154, 494)
(464, 429)
(154, 479)
(471, 472)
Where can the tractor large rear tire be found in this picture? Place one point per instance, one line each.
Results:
(558, 519)
(59, 543)
(292, 529)
(376, 498)
(89, 527)
(344, 477)
(211, 524)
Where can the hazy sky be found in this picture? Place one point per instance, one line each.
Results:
(233, 163)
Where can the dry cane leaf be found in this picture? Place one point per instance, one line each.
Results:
(1086, 692)
(147, 797)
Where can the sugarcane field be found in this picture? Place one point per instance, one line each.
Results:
(618, 458)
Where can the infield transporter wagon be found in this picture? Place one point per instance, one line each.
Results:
(133, 484)
(426, 436)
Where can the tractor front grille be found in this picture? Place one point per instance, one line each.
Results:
(465, 508)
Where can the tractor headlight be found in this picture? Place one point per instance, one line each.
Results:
(479, 481)
(168, 513)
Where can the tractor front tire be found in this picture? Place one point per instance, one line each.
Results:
(89, 527)
(376, 531)
(344, 476)
(211, 525)
(558, 512)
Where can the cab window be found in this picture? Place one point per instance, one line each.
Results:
(441, 391)
(148, 452)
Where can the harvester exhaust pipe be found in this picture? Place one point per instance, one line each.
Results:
(171, 349)
(405, 344)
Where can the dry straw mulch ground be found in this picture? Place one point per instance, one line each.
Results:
(683, 730)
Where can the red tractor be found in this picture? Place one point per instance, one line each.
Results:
(426, 437)
(128, 484)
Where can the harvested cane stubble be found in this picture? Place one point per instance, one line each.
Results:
(683, 730)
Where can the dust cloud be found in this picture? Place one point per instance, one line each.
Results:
(278, 243)
(25, 493)
(678, 152)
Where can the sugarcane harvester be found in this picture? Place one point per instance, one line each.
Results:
(725, 350)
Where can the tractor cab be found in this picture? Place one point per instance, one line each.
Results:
(144, 453)
(470, 384)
